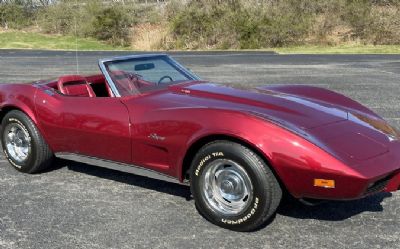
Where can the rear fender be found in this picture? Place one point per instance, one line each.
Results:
(19, 97)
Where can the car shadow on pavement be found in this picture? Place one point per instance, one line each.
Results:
(127, 178)
(329, 211)
(333, 210)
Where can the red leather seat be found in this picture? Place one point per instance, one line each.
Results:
(75, 85)
(125, 85)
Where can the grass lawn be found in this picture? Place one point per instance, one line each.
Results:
(341, 49)
(31, 40)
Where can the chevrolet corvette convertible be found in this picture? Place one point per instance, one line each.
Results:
(239, 148)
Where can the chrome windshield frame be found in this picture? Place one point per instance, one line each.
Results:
(111, 83)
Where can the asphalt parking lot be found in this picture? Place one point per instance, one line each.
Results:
(81, 206)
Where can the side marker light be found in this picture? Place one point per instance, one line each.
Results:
(323, 183)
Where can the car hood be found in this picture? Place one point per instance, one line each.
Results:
(290, 110)
(348, 134)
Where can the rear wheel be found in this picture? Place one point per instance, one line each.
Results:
(233, 187)
(23, 145)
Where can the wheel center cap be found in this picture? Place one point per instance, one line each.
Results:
(18, 142)
(227, 186)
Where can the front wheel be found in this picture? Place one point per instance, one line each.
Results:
(23, 145)
(233, 187)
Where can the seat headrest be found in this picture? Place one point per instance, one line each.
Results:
(75, 85)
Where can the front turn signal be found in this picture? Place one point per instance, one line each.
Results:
(323, 183)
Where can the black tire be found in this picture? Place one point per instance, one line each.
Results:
(39, 156)
(265, 195)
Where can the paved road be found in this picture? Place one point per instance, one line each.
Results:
(81, 206)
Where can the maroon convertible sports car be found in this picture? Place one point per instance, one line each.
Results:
(239, 148)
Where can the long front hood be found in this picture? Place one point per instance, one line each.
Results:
(350, 135)
(283, 108)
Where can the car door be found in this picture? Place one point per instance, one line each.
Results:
(97, 127)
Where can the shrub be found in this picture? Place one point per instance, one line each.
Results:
(385, 25)
(199, 24)
(357, 13)
(286, 23)
(58, 18)
(233, 24)
(192, 27)
(14, 16)
(93, 19)
(111, 24)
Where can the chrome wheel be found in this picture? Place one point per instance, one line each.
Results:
(227, 188)
(17, 141)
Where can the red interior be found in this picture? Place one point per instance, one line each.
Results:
(129, 84)
(82, 86)
(96, 86)
(75, 85)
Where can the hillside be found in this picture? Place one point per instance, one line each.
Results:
(281, 25)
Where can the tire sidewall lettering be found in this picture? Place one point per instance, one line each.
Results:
(11, 160)
(205, 159)
(245, 217)
(253, 209)
(13, 120)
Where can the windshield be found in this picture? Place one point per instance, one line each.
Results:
(138, 75)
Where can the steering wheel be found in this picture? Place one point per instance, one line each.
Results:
(163, 78)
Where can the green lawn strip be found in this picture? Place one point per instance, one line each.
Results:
(33, 40)
(30, 40)
(342, 49)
